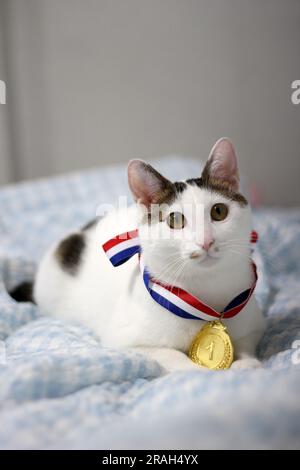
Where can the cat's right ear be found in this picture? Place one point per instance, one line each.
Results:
(147, 185)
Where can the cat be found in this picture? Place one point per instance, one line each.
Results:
(212, 261)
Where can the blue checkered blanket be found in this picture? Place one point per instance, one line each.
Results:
(60, 389)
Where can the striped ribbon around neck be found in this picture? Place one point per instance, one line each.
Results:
(178, 301)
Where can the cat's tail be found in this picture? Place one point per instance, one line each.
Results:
(23, 292)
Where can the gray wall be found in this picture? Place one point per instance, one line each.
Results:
(98, 81)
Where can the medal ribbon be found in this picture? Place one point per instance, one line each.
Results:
(178, 301)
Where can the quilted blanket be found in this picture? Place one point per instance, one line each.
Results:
(60, 389)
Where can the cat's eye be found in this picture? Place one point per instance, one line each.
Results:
(219, 212)
(176, 220)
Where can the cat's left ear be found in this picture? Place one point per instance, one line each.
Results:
(222, 164)
(147, 185)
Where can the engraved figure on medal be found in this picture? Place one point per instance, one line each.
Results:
(212, 347)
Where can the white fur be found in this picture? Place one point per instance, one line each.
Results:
(114, 303)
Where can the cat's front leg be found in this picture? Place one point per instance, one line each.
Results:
(170, 359)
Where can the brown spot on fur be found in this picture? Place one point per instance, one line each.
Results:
(219, 186)
(169, 193)
(180, 186)
(69, 253)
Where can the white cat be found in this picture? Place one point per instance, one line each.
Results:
(76, 281)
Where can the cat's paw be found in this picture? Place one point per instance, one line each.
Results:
(246, 363)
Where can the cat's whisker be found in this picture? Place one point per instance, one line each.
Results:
(175, 279)
(178, 275)
(243, 255)
(266, 258)
(170, 267)
(236, 242)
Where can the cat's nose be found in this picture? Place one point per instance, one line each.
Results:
(207, 243)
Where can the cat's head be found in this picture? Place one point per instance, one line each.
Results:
(196, 225)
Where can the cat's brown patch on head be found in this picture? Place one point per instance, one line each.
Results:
(170, 192)
(224, 188)
(218, 186)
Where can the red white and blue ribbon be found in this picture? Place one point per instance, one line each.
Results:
(122, 247)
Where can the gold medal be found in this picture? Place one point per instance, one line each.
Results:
(212, 347)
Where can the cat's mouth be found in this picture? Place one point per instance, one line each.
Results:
(205, 257)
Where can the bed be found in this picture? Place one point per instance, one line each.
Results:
(60, 389)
